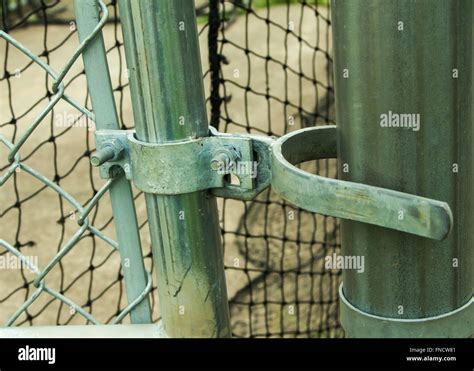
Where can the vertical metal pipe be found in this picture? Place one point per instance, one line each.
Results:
(162, 51)
(394, 58)
(121, 196)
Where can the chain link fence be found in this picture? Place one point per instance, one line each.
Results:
(267, 70)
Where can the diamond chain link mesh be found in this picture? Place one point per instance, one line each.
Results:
(82, 212)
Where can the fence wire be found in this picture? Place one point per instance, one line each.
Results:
(267, 70)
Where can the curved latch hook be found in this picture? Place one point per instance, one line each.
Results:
(342, 199)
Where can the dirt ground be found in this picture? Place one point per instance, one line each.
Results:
(271, 237)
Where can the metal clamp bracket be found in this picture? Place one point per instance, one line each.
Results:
(187, 166)
(258, 161)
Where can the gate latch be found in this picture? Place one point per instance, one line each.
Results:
(257, 162)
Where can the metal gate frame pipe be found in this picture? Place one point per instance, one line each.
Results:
(162, 51)
(121, 195)
(407, 57)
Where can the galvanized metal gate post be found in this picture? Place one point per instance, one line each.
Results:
(404, 100)
(121, 196)
(162, 51)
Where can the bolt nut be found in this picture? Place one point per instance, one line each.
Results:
(109, 151)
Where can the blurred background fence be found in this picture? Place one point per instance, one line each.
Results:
(267, 70)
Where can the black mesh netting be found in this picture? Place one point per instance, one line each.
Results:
(267, 70)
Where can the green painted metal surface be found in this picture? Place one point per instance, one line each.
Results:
(121, 196)
(395, 58)
(162, 53)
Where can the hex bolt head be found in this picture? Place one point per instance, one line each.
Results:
(223, 158)
(220, 161)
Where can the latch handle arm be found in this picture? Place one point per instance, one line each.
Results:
(354, 201)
